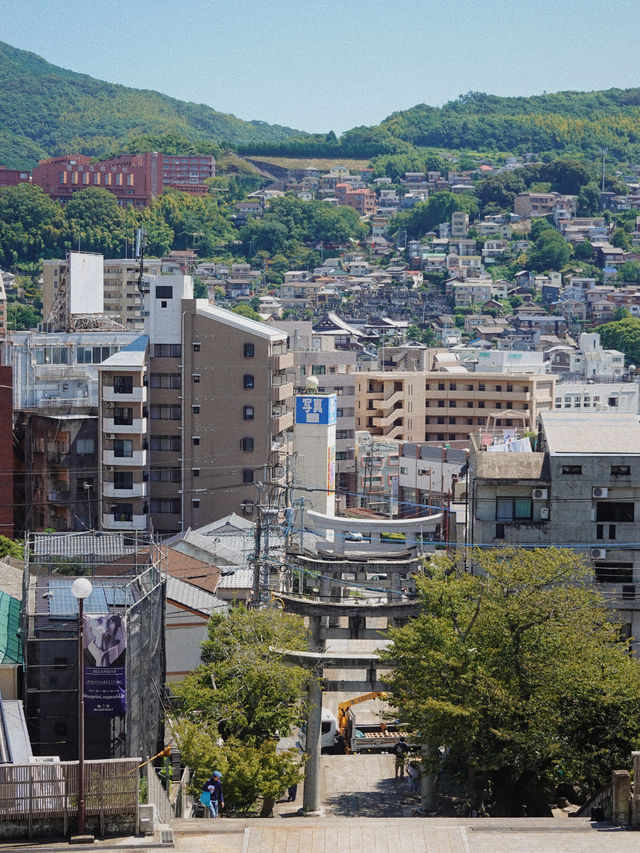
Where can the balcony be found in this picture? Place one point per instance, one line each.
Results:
(281, 388)
(137, 490)
(137, 427)
(282, 361)
(133, 522)
(138, 394)
(281, 422)
(137, 459)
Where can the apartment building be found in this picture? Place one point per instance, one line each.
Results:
(193, 413)
(580, 490)
(449, 406)
(121, 296)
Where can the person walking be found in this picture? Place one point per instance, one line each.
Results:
(213, 786)
(400, 751)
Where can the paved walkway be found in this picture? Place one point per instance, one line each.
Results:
(403, 835)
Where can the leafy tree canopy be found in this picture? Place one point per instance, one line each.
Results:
(623, 335)
(243, 688)
(518, 672)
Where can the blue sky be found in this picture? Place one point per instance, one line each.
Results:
(333, 64)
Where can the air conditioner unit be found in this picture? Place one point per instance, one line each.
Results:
(540, 494)
(599, 492)
(598, 554)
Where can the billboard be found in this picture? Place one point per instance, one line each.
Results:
(105, 653)
(86, 283)
(316, 409)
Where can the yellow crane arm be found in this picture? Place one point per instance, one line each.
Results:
(343, 707)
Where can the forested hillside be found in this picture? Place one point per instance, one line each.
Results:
(46, 110)
(563, 123)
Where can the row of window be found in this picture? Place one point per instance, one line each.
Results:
(475, 404)
(482, 386)
(616, 470)
(607, 512)
(110, 178)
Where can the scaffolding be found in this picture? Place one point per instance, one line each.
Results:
(126, 573)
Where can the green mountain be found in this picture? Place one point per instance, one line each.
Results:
(570, 122)
(46, 110)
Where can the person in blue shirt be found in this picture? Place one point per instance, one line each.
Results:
(214, 787)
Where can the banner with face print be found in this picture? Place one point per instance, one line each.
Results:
(105, 653)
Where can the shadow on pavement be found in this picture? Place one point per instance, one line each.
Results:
(389, 799)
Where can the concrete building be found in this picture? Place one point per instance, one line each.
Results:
(191, 414)
(448, 406)
(579, 490)
(120, 294)
(591, 360)
(598, 396)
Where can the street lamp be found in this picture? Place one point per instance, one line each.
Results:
(81, 588)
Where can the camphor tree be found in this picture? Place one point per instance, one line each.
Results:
(517, 678)
(236, 704)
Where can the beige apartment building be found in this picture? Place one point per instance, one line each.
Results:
(193, 413)
(449, 406)
(121, 296)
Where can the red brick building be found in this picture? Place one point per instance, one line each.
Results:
(135, 179)
(13, 177)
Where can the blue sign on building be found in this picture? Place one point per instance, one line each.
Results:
(316, 409)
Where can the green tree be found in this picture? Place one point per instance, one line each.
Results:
(629, 272)
(488, 671)
(32, 225)
(623, 335)
(250, 771)
(621, 239)
(10, 548)
(583, 251)
(246, 311)
(550, 251)
(589, 199)
(242, 687)
(97, 222)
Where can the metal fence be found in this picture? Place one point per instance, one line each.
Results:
(157, 795)
(50, 790)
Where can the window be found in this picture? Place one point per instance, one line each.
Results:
(195, 502)
(481, 386)
(248, 380)
(165, 380)
(122, 512)
(249, 350)
(572, 469)
(610, 572)
(166, 413)
(165, 505)
(196, 347)
(498, 387)
(195, 472)
(344, 433)
(452, 404)
(615, 511)
(248, 413)
(404, 470)
(441, 404)
(452, 386)
(195, 377)
(165, 475)
(123, 448)
(481, 404)
(85, 446)
(440, 386)
(246, 443)
(167, 350)
(509, 389)
(196, 410)
(196, 440)
(318, 370)
(620, 470)
(165, 442)
(247, 475)
(513, 509)
(123, 384)
(164, 291)
(123, 480)
(605, 531)
(123, 416)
